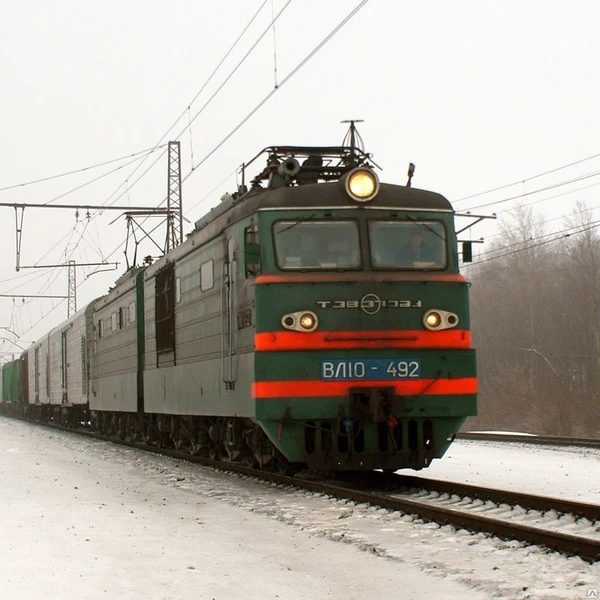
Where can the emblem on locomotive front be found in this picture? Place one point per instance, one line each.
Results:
(370, 304)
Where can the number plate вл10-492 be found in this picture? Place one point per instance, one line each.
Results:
(370, 368)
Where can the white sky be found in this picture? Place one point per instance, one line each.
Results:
(478, 94)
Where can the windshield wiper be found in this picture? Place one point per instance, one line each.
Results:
(302, 220)
(425, 226)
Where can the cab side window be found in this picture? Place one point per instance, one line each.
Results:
(252, 252)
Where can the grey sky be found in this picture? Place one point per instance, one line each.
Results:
(477, 93)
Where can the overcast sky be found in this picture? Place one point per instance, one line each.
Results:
(479, 94)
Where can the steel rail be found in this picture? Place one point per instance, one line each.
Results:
(530, 439)
(497, 496)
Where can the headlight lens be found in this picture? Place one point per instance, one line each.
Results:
(307, 321)
(362, 184)
(433, 319)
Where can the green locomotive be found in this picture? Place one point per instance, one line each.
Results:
(362, 342)
(314, 318)
(317, 318)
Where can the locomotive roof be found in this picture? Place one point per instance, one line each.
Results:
(316, 182)
(326, 195)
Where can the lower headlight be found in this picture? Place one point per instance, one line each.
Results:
(308, 321)
(434, 320)
(304, 320)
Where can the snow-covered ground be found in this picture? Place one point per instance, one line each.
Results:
(562, 471)
(83, 519)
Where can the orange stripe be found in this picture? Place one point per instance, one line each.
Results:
(310, 389)
(339, 340)
(378, 276)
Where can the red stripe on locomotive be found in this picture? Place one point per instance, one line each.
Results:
(316, 388)
(340, 340)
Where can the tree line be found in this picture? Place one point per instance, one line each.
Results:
(535, 318)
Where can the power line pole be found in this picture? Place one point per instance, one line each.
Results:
(174, 204)
(72, 294)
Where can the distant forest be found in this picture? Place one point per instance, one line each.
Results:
(535, 316)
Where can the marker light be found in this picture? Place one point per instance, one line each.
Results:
(304, 320)
(434, 320)
(362, 184)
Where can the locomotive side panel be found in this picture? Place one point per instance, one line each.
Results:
(182, 375)
(204, 373)
(115, 356)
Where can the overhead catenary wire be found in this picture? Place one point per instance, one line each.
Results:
(567, 231)
(191, 120)
(546, 221)
(283, 82)
(291, 74)
(158, 146)
(215, 70)
(268, 96)
(83, 185)
(81, 170)
(568, 193)
(522, 181)
(531, 246)
(275, 84)
(544, 189)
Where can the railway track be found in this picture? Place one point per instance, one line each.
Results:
(566, 526)
(530, 439)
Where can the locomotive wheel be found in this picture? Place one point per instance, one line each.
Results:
(215, 453)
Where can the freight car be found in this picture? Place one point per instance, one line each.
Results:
(13, 389)
(57, 372)
(315, 317)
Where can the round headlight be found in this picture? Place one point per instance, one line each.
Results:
(308, 321)
(362, 184)
(433, 320)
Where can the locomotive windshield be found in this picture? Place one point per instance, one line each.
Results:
(317, 245)
(407, 244)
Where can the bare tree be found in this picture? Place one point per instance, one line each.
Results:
(536, 325)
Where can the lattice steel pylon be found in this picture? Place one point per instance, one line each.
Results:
(72, 295)
(174, 207)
